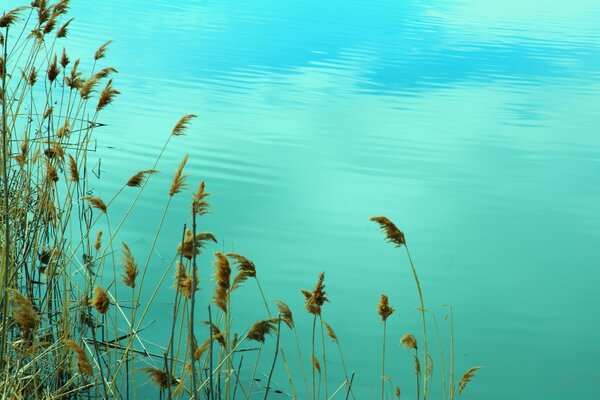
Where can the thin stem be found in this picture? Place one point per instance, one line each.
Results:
(274, 358)
(383, 361)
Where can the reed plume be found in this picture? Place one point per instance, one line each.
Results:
(183, 281)
(408, 341)
(21, 158)
(64, 59)
(216, 333)
(95, 202)
(246, 269)
(130, 267)
(104, 72)
(83, 363)
(466, 378)
(316, 364)
(51, 174)
(260, 329)
(330, 332)
(98, 241)
(222, 276)
(100, 300)
(32, 76)
(199, 205)
(101, 52)
(161, 378)
(397, 391)
(314, 300)
(88, 86)
(191, 245)
(23, 312)
(73, 171)
(63, 30)
(107, 95)
(64, 130)
(179, 178)
(285, 314)
(53, 70)
(9, 18)
(383, 308)
(392, 233)
(182, 124)
(138, 179)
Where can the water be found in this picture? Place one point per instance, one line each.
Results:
(473, 125)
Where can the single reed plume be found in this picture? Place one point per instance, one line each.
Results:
(160, 378)
(130, 267)
(138, 179)
(314, 300)
(409, 342)
(182, 125)
(95, 202)
(83, 363)
(384, 310)
(183, 281)
(222, 274)
(466, 378)
(23, 312)
(396, 236)
(98, 241)
(260, 329)
(199, 204)
(100, 300)
(107, 96)
(285, 314)
(246, 269)
(178, 182)
(191, 245)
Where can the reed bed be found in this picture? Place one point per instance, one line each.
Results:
(73, 296)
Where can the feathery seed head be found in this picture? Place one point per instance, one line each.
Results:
(199, 205)
(95, 202)
(314, 300)
(260, 329)
(191, 246)
(63, 30)
(160, 378)
(245, 267)
(100, 300)
(130, 267)
(182, 125)
(10, 17)
(383, 308)
(392, 233)
(466, 378)
(107, 96)
(98, 242)
(101, 52)
(285, 314)
(222, 276)
(409, 341)
(138, 179)
(179, 178)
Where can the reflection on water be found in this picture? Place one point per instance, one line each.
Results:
(474, 126)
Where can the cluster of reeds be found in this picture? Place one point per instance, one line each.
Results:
(73, 298)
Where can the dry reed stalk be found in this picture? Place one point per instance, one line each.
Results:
(222, 276)
(130, 267)
(383, 308)
(98, 241)
(285, 314)
(260, 329)
(466, 378)
(100, 300)
(178, 182)
(107, 96)
(182, 125)
(138, 179)
(161, 378)
(95, 202)
(83, 363)
(314, 300)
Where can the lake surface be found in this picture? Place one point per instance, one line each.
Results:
(472, 125)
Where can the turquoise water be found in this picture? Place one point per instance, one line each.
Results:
(473, 125)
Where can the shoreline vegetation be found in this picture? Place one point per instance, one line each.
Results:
(74, 297)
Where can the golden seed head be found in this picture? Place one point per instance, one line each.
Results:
(466, 378)
(83, 363)
(383, 308)
(130, 267)
(199, 205)
(9, 18)
(101, 52)
(330, 332)
(178, 182)
(100, 300)
(260, 329)
(63, 30)
(138, 179)
(182, 125)
(98, 242)
(107, 95)
(409, 341)
(160, 378)
(191, 246)
(392, 233)
(246, 269)
(222, 276)
(316, 364)
(285, 313)
(314, 300)
(95, 202)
